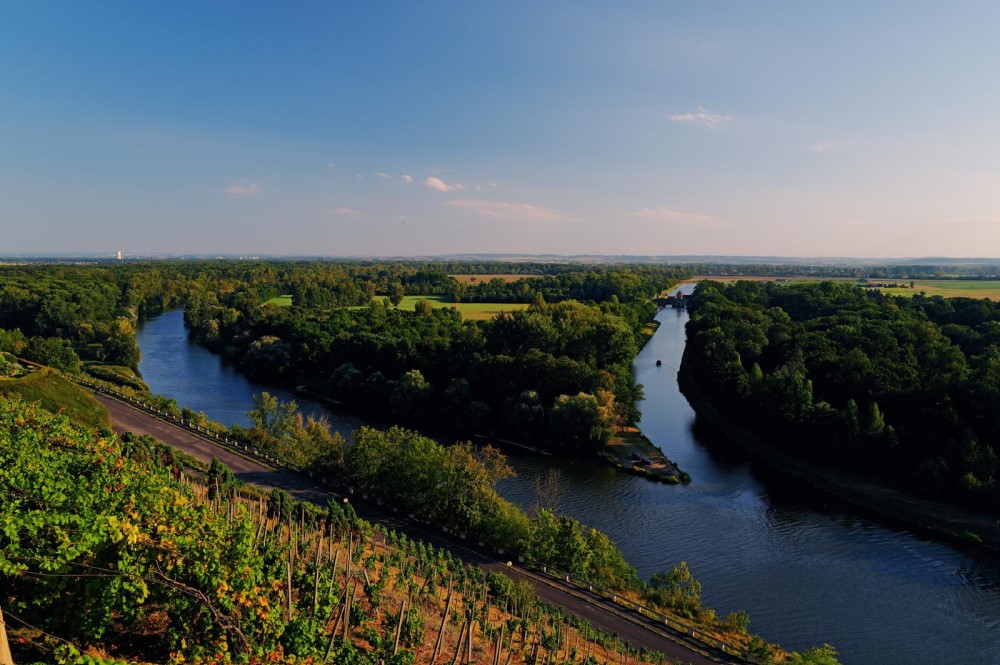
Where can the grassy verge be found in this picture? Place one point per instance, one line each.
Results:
(648, 332)
(57, 394)
(116, 374)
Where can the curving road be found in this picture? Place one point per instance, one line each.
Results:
(601, 613)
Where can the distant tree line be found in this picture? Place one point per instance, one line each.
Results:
(907, 389)
(966, 271)
(626, 284)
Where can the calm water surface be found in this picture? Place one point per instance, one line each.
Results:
(203, 381)
(805, 572)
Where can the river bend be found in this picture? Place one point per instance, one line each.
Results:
(806, 572)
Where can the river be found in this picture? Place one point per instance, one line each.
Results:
(806, 572)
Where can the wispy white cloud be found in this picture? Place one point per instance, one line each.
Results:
(407, 179)
(344, 211)
(974, 219)
(331, 165)
(384, 176)
(442, 186)
(499, 209)
(675, 216)
(702, 117)
(238, 190)
(822, 146)
(359, 175)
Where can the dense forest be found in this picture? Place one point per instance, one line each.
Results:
(557, 374)
(905, 389)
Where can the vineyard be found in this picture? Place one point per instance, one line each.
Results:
(108, 553)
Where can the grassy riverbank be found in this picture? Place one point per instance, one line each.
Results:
(936, 519)
(626, 451)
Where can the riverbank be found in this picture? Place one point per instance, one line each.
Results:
(633, 453)
(648, 332)
(806, 575)
(930, 517)
(627, 450)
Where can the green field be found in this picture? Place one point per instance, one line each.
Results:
(468, 310)
(952, 288)
(280, 301)
(57, 394)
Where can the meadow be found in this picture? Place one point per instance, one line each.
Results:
(280, 301)
(952, 288)
(468, 310)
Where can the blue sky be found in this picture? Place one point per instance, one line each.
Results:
(760, 128)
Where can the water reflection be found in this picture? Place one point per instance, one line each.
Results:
(805, 569)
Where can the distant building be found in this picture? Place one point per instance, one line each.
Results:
(120, 255)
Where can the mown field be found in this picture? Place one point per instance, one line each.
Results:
(951, 288)
(280, 301)
(468, 310)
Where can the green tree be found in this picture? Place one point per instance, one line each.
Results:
(272, 416)
(824, 655)
(221, 482)
(583, 419)
(53, 352)
(678, 588)
(396, 293)
(410, 396)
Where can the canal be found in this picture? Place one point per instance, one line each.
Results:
(806, 572)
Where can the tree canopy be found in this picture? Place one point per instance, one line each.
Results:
(905, 388)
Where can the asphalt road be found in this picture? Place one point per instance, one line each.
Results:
(602, 614)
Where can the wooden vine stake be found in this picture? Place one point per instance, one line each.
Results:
(399, 627)
(444, 622)
(5, 656)
(460, 644)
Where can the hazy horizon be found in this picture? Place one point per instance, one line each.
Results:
(850, 130)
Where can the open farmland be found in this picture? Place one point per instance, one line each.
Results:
(951, 288)
(729, 279)
(468, 310)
